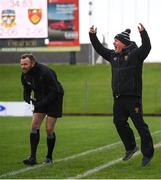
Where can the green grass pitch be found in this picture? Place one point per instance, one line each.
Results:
(87, 88)
(87, 147)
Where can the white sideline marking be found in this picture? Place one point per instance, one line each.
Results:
(109, 146)
(12, 173)
(105, 165)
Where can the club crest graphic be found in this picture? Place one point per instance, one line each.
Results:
(136, 109)
(35, 15)
(126, 58)
(8, 17)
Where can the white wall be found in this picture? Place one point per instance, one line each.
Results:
(114, 16)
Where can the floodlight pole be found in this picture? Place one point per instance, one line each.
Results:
(91, 49)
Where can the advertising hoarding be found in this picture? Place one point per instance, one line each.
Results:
(63, 22)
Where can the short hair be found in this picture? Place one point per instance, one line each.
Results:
(30, 56)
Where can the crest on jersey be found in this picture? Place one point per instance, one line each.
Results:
(126, 57)
(35, 15)
(115, 58)
(136, 109)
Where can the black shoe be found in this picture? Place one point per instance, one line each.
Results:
(129, 154)
(30, 161)
(145, 161)
(48, 161)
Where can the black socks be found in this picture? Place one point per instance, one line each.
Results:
(50, 144)
(34, 141)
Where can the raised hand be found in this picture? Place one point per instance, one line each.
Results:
(93, 30)
(141, 27)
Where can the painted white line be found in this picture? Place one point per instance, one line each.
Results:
(12, 173)
(104, 166)
(109, 146)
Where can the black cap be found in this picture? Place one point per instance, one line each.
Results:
(124, 37)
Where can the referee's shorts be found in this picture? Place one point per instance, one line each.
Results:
(54, 109)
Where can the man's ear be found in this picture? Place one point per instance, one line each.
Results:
(33, 64)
